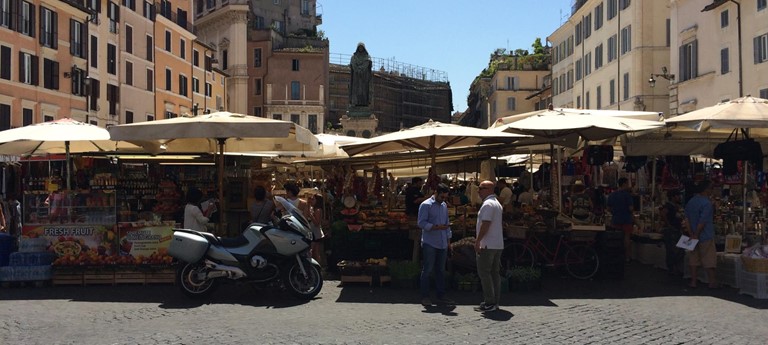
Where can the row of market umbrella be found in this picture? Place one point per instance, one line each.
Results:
(228, 132)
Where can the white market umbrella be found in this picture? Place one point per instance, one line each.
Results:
(217, 132)
(62, 136)
(588, 124)
(744, 112)
(432, 137)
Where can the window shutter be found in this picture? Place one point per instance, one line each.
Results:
(5, 63)
(72, 36)
(55, 31)
(35, 70)
(31, 20)
(757, 49)
(41, 39)
(695, 59)
(47, 83)
(14, 15)
(84, 40)
(681, 61)
(55, 74)
(21, 66)
(117, 12)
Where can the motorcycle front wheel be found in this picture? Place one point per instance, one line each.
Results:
(301, 287)
(189, 282)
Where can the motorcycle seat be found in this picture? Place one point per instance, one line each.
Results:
(232, 242)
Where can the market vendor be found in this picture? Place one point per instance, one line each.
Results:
(414, 197)
(580, 204)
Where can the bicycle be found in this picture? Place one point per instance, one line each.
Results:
(580, 259)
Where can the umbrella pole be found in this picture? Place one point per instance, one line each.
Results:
(744, 200)
(66, 161)
(222, 215)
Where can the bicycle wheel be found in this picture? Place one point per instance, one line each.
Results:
(581, 261)
(517, 254)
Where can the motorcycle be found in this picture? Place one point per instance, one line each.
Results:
(267, 255)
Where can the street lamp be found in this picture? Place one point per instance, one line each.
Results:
(664, 74)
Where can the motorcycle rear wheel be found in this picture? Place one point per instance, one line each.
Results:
(301, 287)
(190, 285)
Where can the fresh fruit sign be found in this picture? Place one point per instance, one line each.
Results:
(77, 244)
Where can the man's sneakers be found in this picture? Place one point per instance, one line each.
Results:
(484, 308)
(426, 302)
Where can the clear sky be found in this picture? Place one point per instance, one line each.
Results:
(454, 36)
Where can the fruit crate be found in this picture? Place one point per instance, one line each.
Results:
(753, 284)
(130, 276)
(99, 276)
(67, 276)
(161, 276)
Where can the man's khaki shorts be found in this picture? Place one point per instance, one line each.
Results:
(704, 255)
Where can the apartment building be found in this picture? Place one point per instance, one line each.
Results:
(277, 65)
(604, 54)
(708, 59)
(510, 89)
(164, 70)
(43, 54)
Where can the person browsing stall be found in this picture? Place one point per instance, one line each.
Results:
(488, 245)
(414, 197)
(262, 208)
(435, 241)
(194, 217)
(621, 205)
(699, 212)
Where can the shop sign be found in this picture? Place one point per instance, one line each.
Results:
(76, 244)
(147, 244)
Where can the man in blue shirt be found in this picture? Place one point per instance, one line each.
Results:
(699, 213)
(620, 203)
(435, 239)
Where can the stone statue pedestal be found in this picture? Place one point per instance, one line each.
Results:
(359, 126)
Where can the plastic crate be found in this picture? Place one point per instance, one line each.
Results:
(31, 259)
(753, 284)
(31, 273)
(33, 245)
(6, 274)
(702, 272)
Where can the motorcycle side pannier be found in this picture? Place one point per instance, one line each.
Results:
(187, 247)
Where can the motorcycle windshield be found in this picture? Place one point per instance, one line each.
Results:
(293, 211)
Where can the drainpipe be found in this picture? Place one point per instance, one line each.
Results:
(741, 62)
(618, 53)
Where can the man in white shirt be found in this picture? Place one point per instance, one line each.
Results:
(505, 193)
(488, 246)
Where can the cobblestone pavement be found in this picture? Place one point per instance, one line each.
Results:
(646, 308)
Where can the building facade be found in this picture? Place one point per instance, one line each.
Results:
(102, 62)
(510, 90)
(277, 65)
(604, 54)
(43, 54)
(709, 60)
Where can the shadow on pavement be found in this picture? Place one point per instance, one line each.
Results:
(641, 281)
(166, 296)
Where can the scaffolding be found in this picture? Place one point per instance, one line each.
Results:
(397, 68)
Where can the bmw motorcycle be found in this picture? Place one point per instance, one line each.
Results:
(266, 255)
